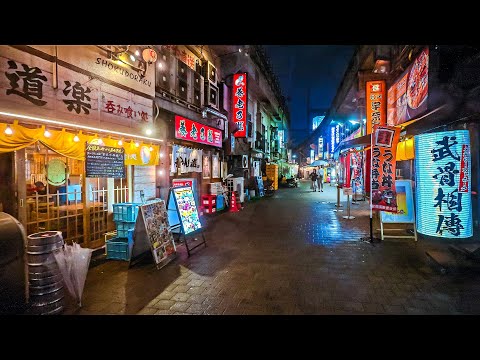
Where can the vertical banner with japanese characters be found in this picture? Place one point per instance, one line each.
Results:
(384, 151)
(239, 105)
(443, 170)
(376, 104)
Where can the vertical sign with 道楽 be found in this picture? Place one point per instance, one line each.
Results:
(384, 151)
(443, 170)
(376, 104)
(239, 105)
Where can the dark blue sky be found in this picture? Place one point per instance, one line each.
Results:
(299, 67)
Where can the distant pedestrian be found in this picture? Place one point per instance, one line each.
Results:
(320, 179)
(314, 177)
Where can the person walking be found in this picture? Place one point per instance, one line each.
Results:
(314, 177)
(320, 179)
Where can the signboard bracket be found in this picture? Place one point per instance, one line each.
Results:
(382, 231)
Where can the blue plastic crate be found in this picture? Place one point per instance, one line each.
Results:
(123, 227)
(125, 211)
(118, 249)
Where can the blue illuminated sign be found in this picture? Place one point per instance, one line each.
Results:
(443, 171)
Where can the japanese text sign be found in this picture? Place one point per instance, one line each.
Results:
(193, 131)
(376, 104)
(443, 168)
(384, 149)
(240, 102)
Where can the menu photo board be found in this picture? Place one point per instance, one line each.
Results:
(104, 161)
(152, 231)
(186, 208)
(405, 211)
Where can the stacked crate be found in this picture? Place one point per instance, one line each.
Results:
(272, 174)
(209, 203)
(125, 216)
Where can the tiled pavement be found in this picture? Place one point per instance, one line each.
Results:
(289, 254)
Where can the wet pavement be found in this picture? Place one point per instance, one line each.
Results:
(288, 254)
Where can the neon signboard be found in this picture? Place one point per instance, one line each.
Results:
(443, 168)
(239, 105)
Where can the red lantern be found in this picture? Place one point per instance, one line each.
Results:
(149, 55)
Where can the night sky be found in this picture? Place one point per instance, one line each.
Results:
(299, 67)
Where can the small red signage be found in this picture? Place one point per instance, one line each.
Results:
(463, 186)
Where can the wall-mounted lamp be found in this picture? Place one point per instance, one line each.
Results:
(8, 130)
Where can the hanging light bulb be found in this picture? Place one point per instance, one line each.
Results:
(148, 131)
(150, 148)
(100, 141)
(76, 138)
(8, 130)
(137, 52)
(47, 133)
(132, 57)
(161, 154)
(120, 142)
(137, 144)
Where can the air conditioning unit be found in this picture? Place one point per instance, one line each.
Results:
(209, 72)
(245, 161)
(196, 89)
(182, 70)
(165, 68)
(182, 89)
(211, 95)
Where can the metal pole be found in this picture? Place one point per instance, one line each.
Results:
(338, 205)
(348, 209)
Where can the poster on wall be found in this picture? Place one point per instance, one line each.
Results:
(215, 166)
(407, 97)
(186, 160)
(384, 142)
(207, 174)
(104, 161)
(187, 209)
(443, 171)
(405, 211)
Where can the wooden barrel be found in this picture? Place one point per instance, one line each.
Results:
(44, 277)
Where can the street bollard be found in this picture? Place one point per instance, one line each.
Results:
(348, 209)
(338, 205)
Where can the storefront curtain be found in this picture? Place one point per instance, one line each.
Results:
(61, 141)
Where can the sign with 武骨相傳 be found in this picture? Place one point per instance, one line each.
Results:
(104, 161)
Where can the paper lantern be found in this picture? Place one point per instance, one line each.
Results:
(443, 171)
(149, 55)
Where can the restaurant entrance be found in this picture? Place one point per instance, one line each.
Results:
(58, 196)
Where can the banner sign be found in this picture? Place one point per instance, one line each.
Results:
(190, 130)
(384, 148)
(443, 170)
(240, 102)
(376, 104)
